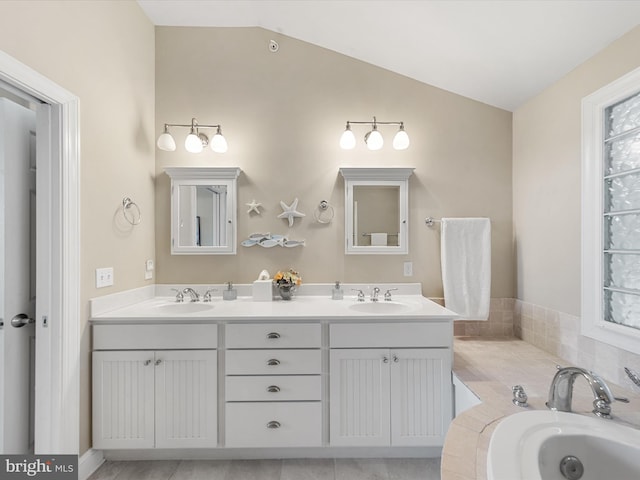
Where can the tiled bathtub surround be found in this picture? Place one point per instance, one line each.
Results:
(559, 334)
(554, 332)
(499, 324)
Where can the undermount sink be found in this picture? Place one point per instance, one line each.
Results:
(383, 308)
(191, 307)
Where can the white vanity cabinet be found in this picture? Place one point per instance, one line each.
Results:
(273, 385)
(395, 394)
(146, 396)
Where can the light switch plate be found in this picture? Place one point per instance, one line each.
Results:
(104, 277)
(408, 269)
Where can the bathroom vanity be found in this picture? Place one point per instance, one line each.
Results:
(306, 377)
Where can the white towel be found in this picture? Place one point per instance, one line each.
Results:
(466, 266)
(379, 239)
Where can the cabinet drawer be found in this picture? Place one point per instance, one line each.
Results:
(274, 424)
(272, 362)
(415, 335)
(152, 337)
(272, 335)
(272, 388)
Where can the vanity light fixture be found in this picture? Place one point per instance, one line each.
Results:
(196, 140)
(373, 138)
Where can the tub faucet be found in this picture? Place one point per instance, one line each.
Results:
(561, 391)
(194, 295)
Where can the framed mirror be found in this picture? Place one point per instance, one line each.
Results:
(203, 210)
(376, 210)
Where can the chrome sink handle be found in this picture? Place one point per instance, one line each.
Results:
(207, 295)
(179, 295)
(360, 294)
(194, 295)
(387, 294)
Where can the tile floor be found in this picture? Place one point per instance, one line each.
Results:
(289, 469)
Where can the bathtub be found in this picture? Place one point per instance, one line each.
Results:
(547, 445)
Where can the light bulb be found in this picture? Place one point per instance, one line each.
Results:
(401, 140)
(193, 144)
(166, 142)
(374, 139)
(219, 143)
(348, 139)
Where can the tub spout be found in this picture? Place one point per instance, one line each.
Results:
(561, 391)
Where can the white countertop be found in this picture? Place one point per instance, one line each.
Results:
(154, 304)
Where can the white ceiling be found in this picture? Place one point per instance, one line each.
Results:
(500, 52)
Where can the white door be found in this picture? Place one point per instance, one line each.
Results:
(17, 274)
(359, 397)
(186, 398)
(420, 396)
(123, 399)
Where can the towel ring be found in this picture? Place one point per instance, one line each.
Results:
(323, 212)
(127, 204)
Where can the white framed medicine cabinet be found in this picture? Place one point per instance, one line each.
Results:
(376, 210)
(203, 210)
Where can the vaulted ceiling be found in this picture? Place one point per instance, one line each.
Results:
(499, 52)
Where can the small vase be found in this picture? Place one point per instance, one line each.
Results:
(286, 290)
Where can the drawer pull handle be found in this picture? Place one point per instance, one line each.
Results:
(158, 362)
(147, 363)
(273, 389)
(273, 335)
(273, 361)
(273, 424)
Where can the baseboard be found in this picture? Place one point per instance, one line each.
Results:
(89, 463)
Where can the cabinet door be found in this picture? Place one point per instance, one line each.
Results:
(186, 398)
(420, 396)
(123, 399)
(359, 394)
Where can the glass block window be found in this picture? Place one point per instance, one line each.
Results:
(621, 212)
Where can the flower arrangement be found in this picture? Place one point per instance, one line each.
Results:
(289, 277)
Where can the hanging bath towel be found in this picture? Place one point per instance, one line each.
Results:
(466, 266)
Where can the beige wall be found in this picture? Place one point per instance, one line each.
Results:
(546, 179)
(283, 113)
(103, 52)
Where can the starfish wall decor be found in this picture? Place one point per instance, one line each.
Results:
(290, 212)
(254, 207)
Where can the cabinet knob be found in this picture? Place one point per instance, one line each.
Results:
(395, 359)
(273, 335)
(158, 362)
(273, 361)
(273, 389)
(147, 363)
(385, 359)
(273, 424)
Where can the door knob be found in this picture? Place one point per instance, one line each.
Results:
(21, 319)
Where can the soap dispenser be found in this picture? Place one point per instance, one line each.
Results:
(230, 293)
(336, 293)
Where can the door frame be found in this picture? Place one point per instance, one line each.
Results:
(57, 341)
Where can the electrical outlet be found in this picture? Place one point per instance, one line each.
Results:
(104, 277)
(408, 269)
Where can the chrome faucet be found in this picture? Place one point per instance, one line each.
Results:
(561, 391)
(194, 295)
(374, 294)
